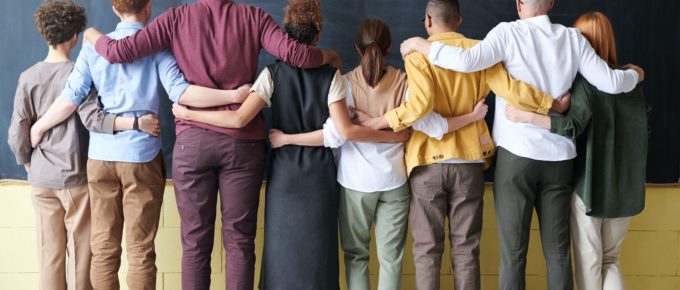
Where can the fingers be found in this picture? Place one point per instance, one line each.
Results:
(510, 113)
(150, 124)
(275, 138)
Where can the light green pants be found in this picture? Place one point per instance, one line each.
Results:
(358, 211)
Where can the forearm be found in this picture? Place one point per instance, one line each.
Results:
(460, 59)
(456, 123)
(310, 139)
(358, 133)
(123, 124)
(202, 97)
(224, 119)
(59, 111)
(540, 120)
(378, 123)
(19, 139)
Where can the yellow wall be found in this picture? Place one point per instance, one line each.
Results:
(650, 259)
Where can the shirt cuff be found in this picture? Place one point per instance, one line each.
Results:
(261, 93)
(177, 91)
(331, 137)
(109, 122)
(545, 106)
(435, 49)
(72, 96)
(394, 121)
(637, 76)
(557, 125)
(23, 158)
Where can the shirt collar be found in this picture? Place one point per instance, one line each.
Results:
(539, 20)
(130, 25)
(445, 36)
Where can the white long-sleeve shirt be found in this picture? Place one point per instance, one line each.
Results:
(543, 54)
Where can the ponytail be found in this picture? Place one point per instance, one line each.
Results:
(373, 42)
(373, 64)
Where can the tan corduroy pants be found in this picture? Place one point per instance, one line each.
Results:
(130, 193)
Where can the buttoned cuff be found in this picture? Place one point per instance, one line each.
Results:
(557, 125)
(545, 106)
(394, 121)
(435, 49)
(109, 122)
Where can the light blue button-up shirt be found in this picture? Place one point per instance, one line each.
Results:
(126, 90)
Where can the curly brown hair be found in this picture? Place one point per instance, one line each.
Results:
(130, 6)
(59, 21)
(303, 20)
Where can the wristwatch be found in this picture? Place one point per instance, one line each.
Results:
(135, 125)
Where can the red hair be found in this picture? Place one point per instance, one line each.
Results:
(597, 28)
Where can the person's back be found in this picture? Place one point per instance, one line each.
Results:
(130, 90)
(529, 59)
(56, 167)
(217, 45)
(472, 143)
(372, 167)
(64, 149)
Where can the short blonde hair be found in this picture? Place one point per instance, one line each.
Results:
(597, 28)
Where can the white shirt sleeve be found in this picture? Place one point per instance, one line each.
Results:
(338, 89)
(264, 86)
(433, 125)
(485, 54)
(596, 71)
(331, 135)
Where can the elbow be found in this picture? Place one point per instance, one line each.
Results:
(347, 134)
(240, 122)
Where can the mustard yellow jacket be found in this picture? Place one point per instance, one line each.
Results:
(450, 94)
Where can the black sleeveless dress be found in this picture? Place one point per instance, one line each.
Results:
(301, 209)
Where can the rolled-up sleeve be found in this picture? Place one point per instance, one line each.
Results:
(79, 82)
(171, 77)
(264, 86)
(421, 87)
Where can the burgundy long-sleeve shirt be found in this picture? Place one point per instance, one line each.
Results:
(217, 44)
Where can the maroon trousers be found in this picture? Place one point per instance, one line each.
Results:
(204, 162)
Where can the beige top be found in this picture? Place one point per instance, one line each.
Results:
(366, 166)
(378, 100)
(264, 87)
(60, 160)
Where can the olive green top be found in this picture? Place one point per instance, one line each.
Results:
(611, 135)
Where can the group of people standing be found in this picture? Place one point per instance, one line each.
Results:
(570, 126)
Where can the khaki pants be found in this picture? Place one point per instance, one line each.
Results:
(597, 246)
(130, 193)
(63, 237)
(439, 191)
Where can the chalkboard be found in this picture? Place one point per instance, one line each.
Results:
(648, 34)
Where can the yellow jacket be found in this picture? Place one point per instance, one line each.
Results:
(450, 94)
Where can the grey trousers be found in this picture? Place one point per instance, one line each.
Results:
(521, 185)
(439, 191)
